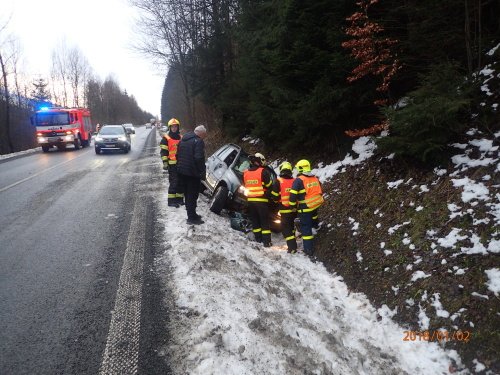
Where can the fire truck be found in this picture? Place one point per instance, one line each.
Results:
(57, 126)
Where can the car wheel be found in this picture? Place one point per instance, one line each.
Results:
(97, 150)
(126, 150)
(219, 199)
(77, 143)
(45, 148)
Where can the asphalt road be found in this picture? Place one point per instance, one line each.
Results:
(69, 220)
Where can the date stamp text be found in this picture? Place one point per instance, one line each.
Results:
(437, 335)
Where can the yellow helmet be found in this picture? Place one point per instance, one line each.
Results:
(174, 121)
(285, 166)
(303, 166)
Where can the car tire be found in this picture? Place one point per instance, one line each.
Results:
(126, 150)
(219, 199)
(97, 150)
(45, 148)
(77, 143)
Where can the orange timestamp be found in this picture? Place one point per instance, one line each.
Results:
(437, 335)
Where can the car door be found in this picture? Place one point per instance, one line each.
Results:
(212, 164)
(224, 161)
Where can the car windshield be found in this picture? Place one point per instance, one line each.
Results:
(242, 164)
(54, 118)
(111, 130)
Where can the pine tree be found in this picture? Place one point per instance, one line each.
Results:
(40, 93)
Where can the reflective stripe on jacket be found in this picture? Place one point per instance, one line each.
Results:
(306, 191)
(172, 149)
(254, 185)
(285, 187)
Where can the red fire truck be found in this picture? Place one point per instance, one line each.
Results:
(57, 126)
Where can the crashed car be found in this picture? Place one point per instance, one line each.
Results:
(224, 182)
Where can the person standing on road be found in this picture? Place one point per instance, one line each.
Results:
(306, 194)
(191, 170)
(257, 181)
(168, 145)
(281, 193)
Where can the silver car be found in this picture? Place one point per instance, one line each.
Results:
(225, 179)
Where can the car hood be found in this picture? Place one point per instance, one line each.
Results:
(115, 136)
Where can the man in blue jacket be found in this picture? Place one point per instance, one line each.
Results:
(191, 169)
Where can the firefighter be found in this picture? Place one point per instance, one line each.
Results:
(307, 196)
(265, 166)
(258, 184)
(168, 152)
(281, 193)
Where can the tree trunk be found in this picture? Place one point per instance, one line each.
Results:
(7, 106)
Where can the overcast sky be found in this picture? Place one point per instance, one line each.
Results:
(102, 29)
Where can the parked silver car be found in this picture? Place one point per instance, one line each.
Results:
(130, 128)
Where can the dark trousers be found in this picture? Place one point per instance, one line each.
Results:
(261, 226)
(306, 225)
(315, 219)
(288, 229)
(174, 196)
(190, 187)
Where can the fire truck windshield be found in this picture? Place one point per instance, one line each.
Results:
(49, 119)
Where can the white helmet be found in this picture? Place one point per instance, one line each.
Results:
(261, 157)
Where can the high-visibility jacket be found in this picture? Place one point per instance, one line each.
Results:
(168, 147)
(254, 185)
(306, 193)
(285, 187)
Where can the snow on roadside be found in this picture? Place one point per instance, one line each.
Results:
(365, 148)
(13, 154)
(237, 308)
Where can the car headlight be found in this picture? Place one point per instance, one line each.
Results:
(243, 191)
(68, 138)
(98, 138)
(122, 138)
(42, 139)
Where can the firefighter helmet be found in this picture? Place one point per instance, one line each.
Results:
(174, 121)
(255, 160)
(261, 157)
(303, 166)
(285, 166)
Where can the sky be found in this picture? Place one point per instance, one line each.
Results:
(104, 30)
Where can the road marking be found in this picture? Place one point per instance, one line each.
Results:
(98, 164)
(39, 173)
(121, 355)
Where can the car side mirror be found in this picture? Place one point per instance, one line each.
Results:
(128, 131)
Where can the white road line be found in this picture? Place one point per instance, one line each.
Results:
(39, 173)
(121, 356)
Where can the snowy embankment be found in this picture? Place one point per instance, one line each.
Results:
(237, 308)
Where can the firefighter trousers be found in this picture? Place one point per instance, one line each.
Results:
(174, 195)
(315, 219)
(288, 230)
(261, 226)
(306, 225)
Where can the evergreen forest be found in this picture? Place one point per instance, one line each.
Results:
(311, 75)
